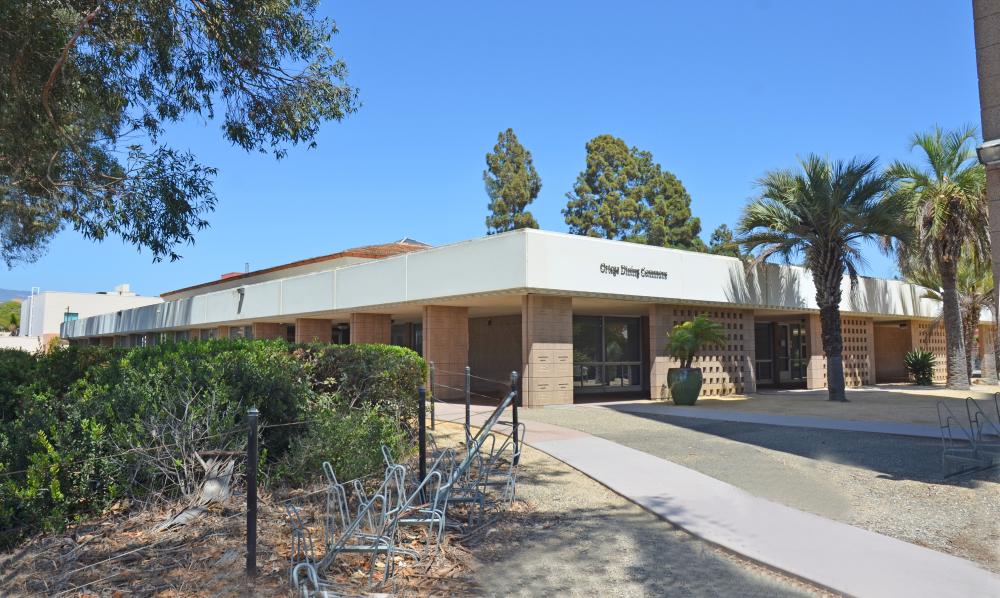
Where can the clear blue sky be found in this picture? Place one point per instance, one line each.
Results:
(719, 92)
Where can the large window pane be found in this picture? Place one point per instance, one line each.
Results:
(587, 339)
(621, 339)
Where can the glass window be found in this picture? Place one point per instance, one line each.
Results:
(181, 336)
(70, 316)
(208, 334)
(607, 352)
(621, 339)
(290, 333)
(587, 347)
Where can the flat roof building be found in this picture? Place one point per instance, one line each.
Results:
(43, 313)
(577, 315)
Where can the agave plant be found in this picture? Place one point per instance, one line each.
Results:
(920, 364)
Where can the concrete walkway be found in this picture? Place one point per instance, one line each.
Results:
(832, 554)
(795, 421)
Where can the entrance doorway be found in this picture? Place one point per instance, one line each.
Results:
(781, 353)
(607, 354)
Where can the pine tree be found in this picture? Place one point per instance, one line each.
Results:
(623, 194)
(723, 242)
(511, 183)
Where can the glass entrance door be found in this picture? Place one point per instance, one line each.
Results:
(606, 353)
(799, 351)
(764, 353)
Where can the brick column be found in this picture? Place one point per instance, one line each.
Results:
(547, 350)
(446, 344)
(313, 330)
(816, 367)
(987, 336)
(268, 330)
(371, 328)
(661, 322)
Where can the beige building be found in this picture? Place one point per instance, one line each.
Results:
(578, 316)
(44, 312)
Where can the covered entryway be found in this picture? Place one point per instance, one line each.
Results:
(892, 341)
(781, 352)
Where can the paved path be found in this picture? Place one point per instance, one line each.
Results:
(795, 421)
(836, 555)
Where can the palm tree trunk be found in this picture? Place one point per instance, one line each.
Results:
(970, 322)
(951, 312)
(833, 346)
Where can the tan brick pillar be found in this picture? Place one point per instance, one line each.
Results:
(268, 331)
(371, 328)
(446, 344)
(547, 350)
(987, 336)
(222, 332)
(313, 330)
(816, 367)
(660, 324)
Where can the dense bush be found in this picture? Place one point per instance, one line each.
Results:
(77, 422)
(920, 364)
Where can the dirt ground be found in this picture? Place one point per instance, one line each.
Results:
(566, 535)
(893, 403)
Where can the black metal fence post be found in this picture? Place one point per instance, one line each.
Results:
(422, 432)
(432, 397)
(513, 404)
(468, 404)
(252, 454)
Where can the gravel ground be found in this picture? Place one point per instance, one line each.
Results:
(892, 485)
(577, 538)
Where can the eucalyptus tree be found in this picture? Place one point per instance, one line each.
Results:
(946, 208)
(823, 214)
(88, 91)
(512, 183)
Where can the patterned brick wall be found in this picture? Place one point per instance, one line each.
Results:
(725, 370)
(859, 347)
(931, 338)
(858, 336)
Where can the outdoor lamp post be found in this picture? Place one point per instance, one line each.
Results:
(989, 153)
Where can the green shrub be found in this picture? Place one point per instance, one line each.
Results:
(920, 365)
(63, 416)
(382, 377)
(351, 439)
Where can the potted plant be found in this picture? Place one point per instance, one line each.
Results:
(920, 364)
(685, 340)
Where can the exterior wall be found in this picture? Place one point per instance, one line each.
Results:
(268, 330)
(892, 342)
(987, 337)
(726, 370)
(858, 336)
(31, 344)
(446, 345)
(547, 350)
(518, 261)
(371, 328)
(313, 330)
(44, 313)
(930, 337)
(494, 351)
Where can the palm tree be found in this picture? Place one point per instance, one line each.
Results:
(946, 208)
(823, 214)
(975, 293)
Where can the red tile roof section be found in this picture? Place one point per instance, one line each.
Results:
(372, 252)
